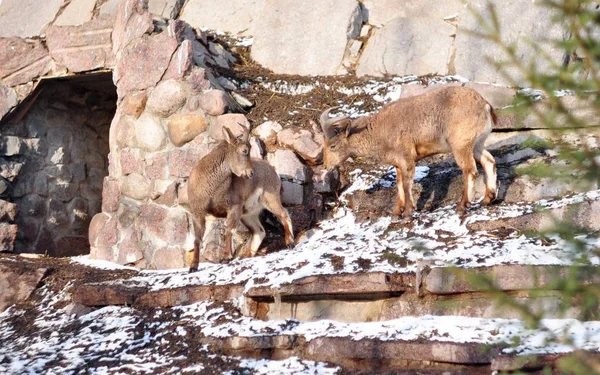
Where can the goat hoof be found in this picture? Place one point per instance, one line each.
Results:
(193, 269)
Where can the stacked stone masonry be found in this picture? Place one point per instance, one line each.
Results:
(85, 169)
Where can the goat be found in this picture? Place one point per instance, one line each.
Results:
(451, 119)
(228, 183)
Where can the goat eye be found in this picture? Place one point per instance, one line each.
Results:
(245, 151)
(333, 147)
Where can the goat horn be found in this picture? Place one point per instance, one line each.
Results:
(246, 133)
(326, 122)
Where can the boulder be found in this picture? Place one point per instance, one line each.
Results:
(17, 284)
(404, 46)
(514, 19)
(132, 160)
(103, 231)
(181, 62)
(135, 71)
(256, 148)
(135, 186)
(288, 166)
(325, 181)
(235, 122)
(183, 128)
(213, 102)
(303, 142)
(166, 98)
(110, 195)
(22, 61)
(26, 18)
(132, 21)
(149, 133)
(130, 250)
(289, 29)
(134, 103)
(267, 132)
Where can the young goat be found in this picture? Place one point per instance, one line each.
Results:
(227, 183)
(452, 119)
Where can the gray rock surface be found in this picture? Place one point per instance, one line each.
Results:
(26, 18)
(76, 13)
(289, 29)
(381, 11)
(232, 16)
(520, 23)
(406, 46)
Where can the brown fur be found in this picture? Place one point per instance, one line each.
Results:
(452, 119)
(214, 188)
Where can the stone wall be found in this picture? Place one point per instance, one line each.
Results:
(77, 157)
(53, 164)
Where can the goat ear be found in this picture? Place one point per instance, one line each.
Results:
(229, 138)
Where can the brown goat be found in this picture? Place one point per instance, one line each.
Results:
(451, 119)
(227, 183)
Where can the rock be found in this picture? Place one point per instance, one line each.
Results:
(135, 71)
(135, 186)
(11, 145)
(134, 103)
(235, 122)
(243, 102)
(497, 96)
(229, 15)
(382, 11)
(325, 181)
(213, 102)
(184, 128)
(103, 231)
(303, 142)
(61, 190)
(109, 7)
(76, 13)
(130, 250)
(267, 132)
(169, 225)
(169, 258)
(290, 29)
(181, 162)
(156, 166)
(124, 130)
(472, 50)
(26, 18)
(166, 98)
(110, 195)
(198, 80)
(404, 46)
(8, 237)
(17, 285)
(288, 166)
(168, 9)
(291, 193)
(132, 21)
(22, 61)
(132, 160)
(149, 133)
(256, 148)
(181, 62)
(8, 211)
(8, 99)
(165, 197)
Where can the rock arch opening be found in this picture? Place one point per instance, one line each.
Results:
(53, 161)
